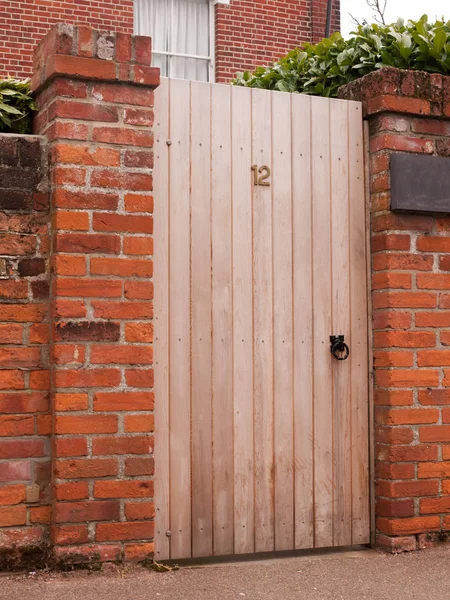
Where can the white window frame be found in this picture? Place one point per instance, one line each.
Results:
(212, 45)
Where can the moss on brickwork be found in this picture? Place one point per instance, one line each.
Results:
(26, 558)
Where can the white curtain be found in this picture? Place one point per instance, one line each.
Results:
(180, 26)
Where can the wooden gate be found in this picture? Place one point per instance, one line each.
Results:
(260, 255)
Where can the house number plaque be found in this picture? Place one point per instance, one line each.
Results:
(261, 175)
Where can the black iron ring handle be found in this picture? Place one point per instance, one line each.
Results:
(339, 348)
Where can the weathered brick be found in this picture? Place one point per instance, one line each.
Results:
(68, 354)
(71, 220)
(122, 136)
(123, 489)
(68, 424)
(122, 310)
(16, 425)
(138, 245)
(141, 378)
(70, 535)
(122, 445)
(69, 265)
(139, 332)
(15, 471)
(394, 508)
(138, 290)
(87, 243)
(408, 526)
(118, 401)
(139, 466)
(437, 433)
(80, 512)
(406, 416)
(393, 397)
(11, 379)
(124, 354)
(122, 223)
(404, 339)
(70, 446)
(31, 267)
(11, 516)
(12, 494)
(137, 511)
(407, 378)
(71, 109)
(23, 402)
(85, 200)
(84, 468)
(124, 531)
(82, 378)
(398, 454)
(88, 287)
(10, 449)
(87, 331)
(142, 203)
(78, 490)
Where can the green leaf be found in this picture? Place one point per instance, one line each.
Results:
(439, 40)
(9, 109)
(282, 86)
(16, 106)
(322, 68)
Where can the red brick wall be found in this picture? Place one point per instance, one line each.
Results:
(24, 328)
(319, 18)
(250, 34)
(411, 318)
(99, 127)
(25, 22)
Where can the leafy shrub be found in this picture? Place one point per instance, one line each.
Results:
(321, 69)
(16, 106)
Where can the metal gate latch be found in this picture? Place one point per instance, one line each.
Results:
(339, 348)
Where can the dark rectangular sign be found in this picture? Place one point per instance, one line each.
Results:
(420, 183)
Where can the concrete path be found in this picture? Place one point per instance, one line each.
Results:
(357, 575)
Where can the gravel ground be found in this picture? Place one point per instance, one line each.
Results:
(352, 575)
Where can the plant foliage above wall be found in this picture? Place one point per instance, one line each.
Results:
(321, 69)
(16, 106)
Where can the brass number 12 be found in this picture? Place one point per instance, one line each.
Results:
(264, 174)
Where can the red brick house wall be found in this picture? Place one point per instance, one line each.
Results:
(248, 32)
(23, 24)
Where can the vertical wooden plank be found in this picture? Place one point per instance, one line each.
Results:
(283, 322)
(342, 454)
(244, 511)
(161, 344)
(303, 321)
(371, 391)
(359, 339)
(179, 307)
(201, 390)
(222, 343)
(263, 327)
(322, 269)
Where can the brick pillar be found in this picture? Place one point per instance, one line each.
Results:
(406, 111)
(24, 377)
(95, 97)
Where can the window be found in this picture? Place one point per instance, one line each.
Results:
(183, 36)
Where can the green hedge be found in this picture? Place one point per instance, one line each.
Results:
(321, 69)
(16, 106)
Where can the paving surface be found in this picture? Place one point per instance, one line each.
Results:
(357, 575)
